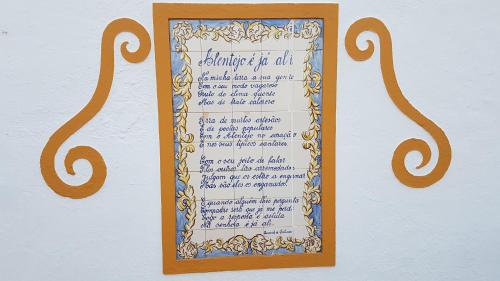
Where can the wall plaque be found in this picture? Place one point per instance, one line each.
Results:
(246, 101)
(247, 120)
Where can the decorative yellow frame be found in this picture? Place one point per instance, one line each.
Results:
(319, 252)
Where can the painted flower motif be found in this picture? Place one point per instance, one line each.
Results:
(187, 250)
(285, 244)
(235, 31)
(238, 244)
(183, 30)
(259, 244)
(312, 244)
(310, 29)
(255, 31)
(208, 246)
(289, 28)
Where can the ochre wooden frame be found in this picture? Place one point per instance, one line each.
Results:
(162, 13)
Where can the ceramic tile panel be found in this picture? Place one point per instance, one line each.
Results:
(247, 117)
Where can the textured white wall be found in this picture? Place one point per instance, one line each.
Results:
(447, 64)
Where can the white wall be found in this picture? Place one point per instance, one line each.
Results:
(447, 64)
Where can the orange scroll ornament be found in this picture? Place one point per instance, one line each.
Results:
(395, 93)
(47, 159)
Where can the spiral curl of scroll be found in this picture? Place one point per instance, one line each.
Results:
(47, 159)
(396, 95)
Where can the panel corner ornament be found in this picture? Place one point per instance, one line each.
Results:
(389, 76)
(106, 72)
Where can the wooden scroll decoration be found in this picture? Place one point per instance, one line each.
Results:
(47, 159)
(395, 93)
